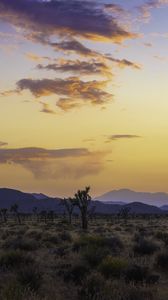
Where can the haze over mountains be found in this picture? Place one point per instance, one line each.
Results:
(127, 196)
(110, 203)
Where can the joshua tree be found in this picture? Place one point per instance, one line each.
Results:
(35, 212)
(82, 200)
(69, 204)
(4, 214)
(14, 209)
(124, 213)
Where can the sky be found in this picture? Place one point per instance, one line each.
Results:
(83, 95)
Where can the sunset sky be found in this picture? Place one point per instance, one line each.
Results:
(83, 95)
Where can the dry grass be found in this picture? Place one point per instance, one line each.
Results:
(113, 260)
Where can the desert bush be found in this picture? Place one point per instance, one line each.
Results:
(13, 259)
(51, 238)
(34, 234)
(65, 236)
(163, 236)
(145, 247)
(29, 276)
(135, 273)
(114, 243)
(92, 287)
(21, 244)
(94, 255)
(138, 293)
(162, 261)
(12, 290)
(76, 273)
(113, 267)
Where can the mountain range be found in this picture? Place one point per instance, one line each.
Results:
(110, 203)
(127, 196)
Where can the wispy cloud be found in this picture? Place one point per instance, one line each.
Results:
(122, 63)
(76, 66)
(2, 144)
(116, 137)
(59, 163)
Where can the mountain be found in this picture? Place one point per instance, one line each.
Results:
(134, 207)
(128, 196)
(27, 202)
(164, 207)
(40, 196)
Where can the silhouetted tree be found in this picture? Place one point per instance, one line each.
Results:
(124, 213)
(14, 208)
(43, 214)
(35, 212)
(82, 200)
(4, 214)
(68, 204)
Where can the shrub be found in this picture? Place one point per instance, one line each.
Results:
(92, 287)
(21, 244)
(113, 267)
(94, 255)
(163, 236)
(29, 276)
(162, 261)
(12, 259)
(113, 243)
(35, 234)
(139, 293)
(135, 273)
(76, 273)
(51, 238)
(65, 236)
(145, 247)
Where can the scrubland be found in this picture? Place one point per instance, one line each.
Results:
(115, 259)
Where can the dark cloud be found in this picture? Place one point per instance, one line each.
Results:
(115, 137)
(122, 63)
(59, 163)
(71, 89)
(80, 18)
(77, 66)
(73, 46)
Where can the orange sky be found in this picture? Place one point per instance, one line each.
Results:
(83, 95)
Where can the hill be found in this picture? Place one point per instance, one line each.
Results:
(128, 196)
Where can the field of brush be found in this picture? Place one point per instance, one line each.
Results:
(115, 259)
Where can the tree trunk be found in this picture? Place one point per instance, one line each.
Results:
(84, 221)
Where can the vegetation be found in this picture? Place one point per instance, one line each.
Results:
(47, 256)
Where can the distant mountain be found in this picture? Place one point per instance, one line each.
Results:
(134, 207)
(128, 196)
(40, 196)
(27, 202)
(164, 207)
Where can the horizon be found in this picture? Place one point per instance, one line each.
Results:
(83, 96)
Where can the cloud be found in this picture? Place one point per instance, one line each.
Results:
(122, 63)
(76, 66)
(55, 163)
(46, 108)
(71, 89)
(115, 137)
(79, 18)
(145, 9)
(34, 57)
(3, 144)
(71, 46)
